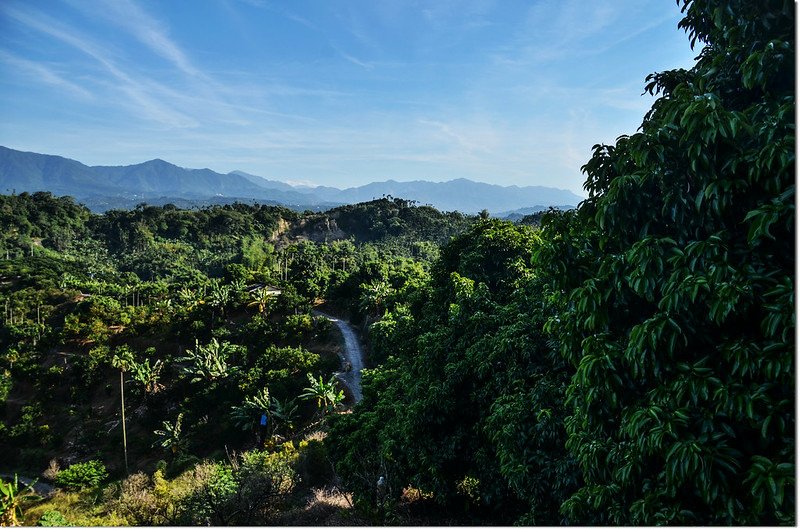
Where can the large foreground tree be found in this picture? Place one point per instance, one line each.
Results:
(677, 289)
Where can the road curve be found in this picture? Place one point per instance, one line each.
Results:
(353, 354)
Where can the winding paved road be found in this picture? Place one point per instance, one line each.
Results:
(353, 354)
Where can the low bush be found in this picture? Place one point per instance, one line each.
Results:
(82, 475)
(314, 465)
(246, 493)
(146, 501)
(53, 518)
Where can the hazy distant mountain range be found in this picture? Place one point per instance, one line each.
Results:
(160, 182)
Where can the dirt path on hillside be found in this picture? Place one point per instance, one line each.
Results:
(352, 355)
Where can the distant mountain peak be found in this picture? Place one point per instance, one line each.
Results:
(157, 162)
(158, 178)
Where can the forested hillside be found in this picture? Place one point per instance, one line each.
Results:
(628, 362)
(204, 318)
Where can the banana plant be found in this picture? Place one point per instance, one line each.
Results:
(12, 496)
(246, 416)
(328, 399)
(148, 375)
(208, 362)
(261, 299)
(170, 436)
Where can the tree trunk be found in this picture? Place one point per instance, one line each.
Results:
(124, 433)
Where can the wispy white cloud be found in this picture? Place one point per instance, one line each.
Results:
(136, 90)
(129, 16)
(176, 105)
(554, 31)
(459, 15)
(358, 62)
(281, 10)
(204, 94)
(353, 21)
(431, 103)
(40, 72)
(469, 138)
(597, 50)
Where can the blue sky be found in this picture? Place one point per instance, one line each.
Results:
(337, 93)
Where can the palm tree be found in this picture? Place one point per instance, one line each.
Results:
(123, 360)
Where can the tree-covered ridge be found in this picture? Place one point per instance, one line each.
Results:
(36, 215)
(390, 217)
(40, 218)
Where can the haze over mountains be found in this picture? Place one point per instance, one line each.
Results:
(159, 182)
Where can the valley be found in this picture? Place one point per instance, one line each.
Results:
(203, 349)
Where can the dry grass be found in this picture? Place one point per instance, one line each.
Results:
(316, 435)
(78, 509)
(329, 498)
(324, 507)
(51, 471)
(410, 495)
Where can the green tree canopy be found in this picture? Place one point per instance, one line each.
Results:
(469, 405)
(676, 285)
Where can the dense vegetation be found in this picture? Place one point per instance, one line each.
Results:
(630, 362)
(680, 315)
(204, 318)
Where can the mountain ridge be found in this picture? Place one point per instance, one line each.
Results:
(157, 178)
